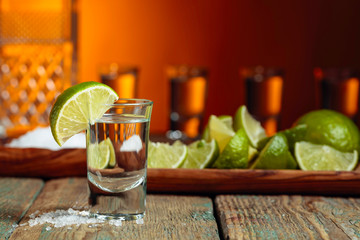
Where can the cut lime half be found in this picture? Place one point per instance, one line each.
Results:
(201, 154)
(164, 155)
(323, 157)
(78, 106)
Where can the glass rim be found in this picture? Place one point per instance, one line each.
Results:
(136, 102)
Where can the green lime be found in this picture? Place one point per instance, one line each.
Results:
(253, 128)
(220, 131)
(201, 154)
(275, 155)
(331, 128)
(98, 155)
(253, 152)
(235, 154)
(78, 106)
(227, 119)
(322, 157)
(293, 135)
(112, 161)
(164, 155)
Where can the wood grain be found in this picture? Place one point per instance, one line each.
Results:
(167, 216)
(16, 196)
(44, 163)
(254, 181)
(288, 217)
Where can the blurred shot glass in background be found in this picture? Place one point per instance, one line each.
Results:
(123, 79)
(263, 95)
(337, 89)
(188, 90)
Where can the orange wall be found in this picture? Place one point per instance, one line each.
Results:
(222, 35)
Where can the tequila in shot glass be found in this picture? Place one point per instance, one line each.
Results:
(117, 159)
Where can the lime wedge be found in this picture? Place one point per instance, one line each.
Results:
(107, 142)
(252, 153)
(253, 128)
(323, 157)
(275, 155)
(78, 106)
(220, 132)
(226, 119)
(235, 154)
(201, 154)
(164, 155)
(98, 155)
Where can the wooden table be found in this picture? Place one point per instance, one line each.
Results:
(172, 216)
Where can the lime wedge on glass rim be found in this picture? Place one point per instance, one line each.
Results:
(164, 155)
(201, 154)
(323, 157)
(78, 106)
(253, 128)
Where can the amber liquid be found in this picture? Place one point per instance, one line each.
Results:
(187, 105)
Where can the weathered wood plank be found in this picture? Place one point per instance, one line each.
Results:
(16, 196)
(288, 217)
(167, 216)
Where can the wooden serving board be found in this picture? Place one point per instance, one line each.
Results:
(72, 162)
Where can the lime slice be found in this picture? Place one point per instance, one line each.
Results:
(220, 132)
(78, 106)
(235, 154)
(275, 155)
(164, 155)
(226, 119)
(323, 157)
(98, 155)
(252, 153)
(201, 154)
(253, 128)
(107, 142)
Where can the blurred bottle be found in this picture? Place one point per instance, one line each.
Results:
(37, 60)
(263, 95)
(123, 79)
(337, 89)
(188, 86)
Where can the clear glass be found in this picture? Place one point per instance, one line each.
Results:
(264, 95)
(337, 89)
(123, 79)
(188, 86)
(117, 160)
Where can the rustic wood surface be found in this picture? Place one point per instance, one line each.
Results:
(167, 216)
(288, 217)
(16, 196)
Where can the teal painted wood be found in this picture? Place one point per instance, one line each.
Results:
(167, 216)
(16, 196)
(288, 217)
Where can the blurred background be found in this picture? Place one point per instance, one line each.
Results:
(222, 36)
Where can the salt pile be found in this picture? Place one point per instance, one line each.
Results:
(62, 218)
(42, 138)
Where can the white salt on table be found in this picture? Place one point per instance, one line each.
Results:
(42, 138)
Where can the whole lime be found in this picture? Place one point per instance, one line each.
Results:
(331, 128)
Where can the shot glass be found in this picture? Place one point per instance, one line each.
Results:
(188, 90)
(123, 79)
(264, 94)
(116, 147)
(337, 89)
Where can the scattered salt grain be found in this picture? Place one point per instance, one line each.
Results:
(48, 228)
(140, 221)
(132, 144)
(42, 138)
(61, 218)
